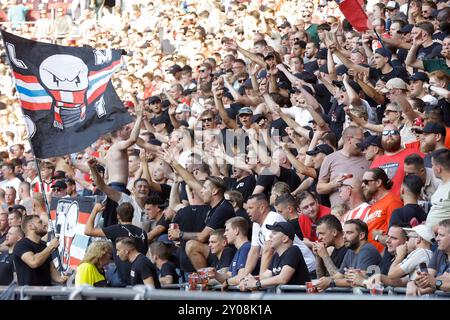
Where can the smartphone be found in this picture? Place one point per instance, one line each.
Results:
(423, 267)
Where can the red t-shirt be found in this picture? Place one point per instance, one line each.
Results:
(447, 137)
(306, 224)
(394, 167)
(380, 214)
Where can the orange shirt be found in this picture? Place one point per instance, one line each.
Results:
(447, 137)
(380, 214)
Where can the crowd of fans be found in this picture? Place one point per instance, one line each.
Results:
(272, 144)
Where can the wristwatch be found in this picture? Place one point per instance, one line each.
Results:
(332, 283)
(438, 284)
(258, 285)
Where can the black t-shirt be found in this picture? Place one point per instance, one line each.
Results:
(386, 262)
(245, 185)
(430, 52)
(324, 199)
(189, 219)
(126, 230)
(292, 257)
(169, 269)
(163, 222)
(217, 216)
(336, 118)
(39, 276)
(290, 177)
(445, 106)
(225, 259)
(337, 256)
(279, 125)
(407, 213)
(296, 225)
(3, 237)
(396, 72)
(311, 66)
(164, 194)
(6, 268)
(142, 268)
(323, 96)
(266, 179)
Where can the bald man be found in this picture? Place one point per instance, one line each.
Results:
(392, 162)
(352, 195)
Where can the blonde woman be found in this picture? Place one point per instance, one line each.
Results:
(90, 271)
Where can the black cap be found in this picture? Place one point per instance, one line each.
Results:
(59, 184)
(384, 52)
(269, 55)
(372, 140)
(341, 69)
(257, 117)
(154, 99)
(321, 148)
(59, 174)
(159, 120)
(174, 69)
(322, 54)
(422, 76)
(433, 127)
(406, 29)
(285, 24)
(355, 86)
(283, 227)
(17, 207)
(155, 142)
(307, 77)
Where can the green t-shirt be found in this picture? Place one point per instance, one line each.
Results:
(312, 32)
(431, 65)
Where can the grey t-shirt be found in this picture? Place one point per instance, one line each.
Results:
(367, 256)
(336, 164)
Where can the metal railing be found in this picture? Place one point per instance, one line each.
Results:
(178, 292)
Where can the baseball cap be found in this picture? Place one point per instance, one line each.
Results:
(372, 140)
(285, 24)
(245, 110)
(59, 184)
(383, 52)
(341, 69)
(321, 148)
(283, 227)
(422, 231)
(269, 55)
(406, 28)
(154, 99)
(321, 54)
(396, 83)
(306, 76)
(174, 69)
(182, 107)
(422, 76)
(17, 207)
(160, 119)
(392, 5)
(257, 117)
(433, 127)
(59, 174)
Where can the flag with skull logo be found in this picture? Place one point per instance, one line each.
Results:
(66, 94)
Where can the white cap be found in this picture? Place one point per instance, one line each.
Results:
(423, 231)
(392, 5)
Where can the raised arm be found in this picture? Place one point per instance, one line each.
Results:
(123, 145)
(100, 183)
(218, 92)
(411, 58)
(89, 228)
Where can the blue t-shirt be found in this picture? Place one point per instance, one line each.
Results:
(239, 259)
(367, 256)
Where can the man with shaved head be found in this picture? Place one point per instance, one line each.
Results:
(392, 162)
(352, 195)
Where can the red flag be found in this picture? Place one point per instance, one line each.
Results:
(355, 14)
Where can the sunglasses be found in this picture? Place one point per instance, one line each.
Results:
(79, 158)
(241, 80)
(391, 132)
(207, 119)
(366, 181)
(56, 189)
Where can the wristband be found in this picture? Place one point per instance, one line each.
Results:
(181, 235)
(258, 285)
(332, 283)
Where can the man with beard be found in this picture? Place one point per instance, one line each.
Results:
(432, 138)
(352, 196)
(32, 257)
(340, 165)
(377, 190)
(392, 162)
(359, 256)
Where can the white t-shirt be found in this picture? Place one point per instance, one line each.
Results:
(300, 115)
(260, 234)
(411, 263)
(137, 215)
(15, 183)
(440, 205)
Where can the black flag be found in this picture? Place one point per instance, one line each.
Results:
(66, 94)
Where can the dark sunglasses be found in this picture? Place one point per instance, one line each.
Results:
(241, 80)
(366, 181)
(391, 132)
(207, 119)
